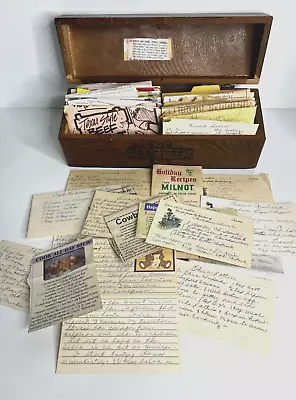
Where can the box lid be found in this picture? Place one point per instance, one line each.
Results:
(205, 48)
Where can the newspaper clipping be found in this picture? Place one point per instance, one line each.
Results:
(123, 225)
(63, 284)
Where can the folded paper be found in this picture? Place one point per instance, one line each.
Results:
(139, 179)
(15, 260)
(63, 284)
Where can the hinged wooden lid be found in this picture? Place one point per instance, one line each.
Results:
(206, 48)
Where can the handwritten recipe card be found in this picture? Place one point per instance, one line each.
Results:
(274, 223)
(202, 232)
(15, 260)
(58, 213)
(126, 336)
(139, 179)
(238, 187)
(217, 302)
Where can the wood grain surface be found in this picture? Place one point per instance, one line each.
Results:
(219, 49)
(206, 49)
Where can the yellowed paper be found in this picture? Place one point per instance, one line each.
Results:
(184, 181)
(186, 256)
(246, 115)
(145, 217)
(201, 89)
(59, 213)
(139, 179)
(15, 260)
(104, 204)
(117, 279)
(274, 224)
(180, 126)
(63, 284)
(227, 211)
(59, 241)
(146, 214)
(254, 188)
(118, 189)
(63, 213)
(206, 106)
(218, 303)
(205, 233)
(189, 98)
(126, 336)
(122, 226)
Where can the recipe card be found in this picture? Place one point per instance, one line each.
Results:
(238, 310)
(15, 260)
(274, 224)
(205, 233)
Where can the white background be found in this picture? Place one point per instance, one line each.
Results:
(31, 161)
(31, 69)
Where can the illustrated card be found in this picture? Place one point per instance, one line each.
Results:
(146, 214)
(110, 119)
(184, 181)
(162, 260)
(202, 232)
(63, 284)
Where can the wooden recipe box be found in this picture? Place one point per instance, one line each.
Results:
(219, 49)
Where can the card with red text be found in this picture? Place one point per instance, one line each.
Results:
(184, 181)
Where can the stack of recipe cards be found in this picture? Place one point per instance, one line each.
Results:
(137, 108)
(114, 108)
(138, 256)
(211, 112)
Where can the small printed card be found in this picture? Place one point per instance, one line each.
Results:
(152, 49)
(184, 181)
(162, 260)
